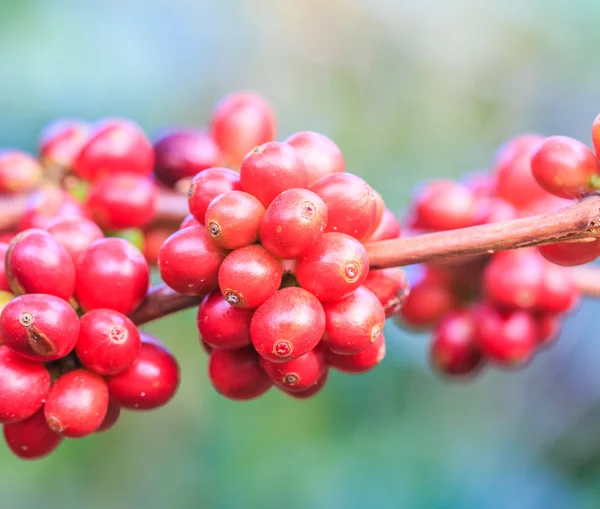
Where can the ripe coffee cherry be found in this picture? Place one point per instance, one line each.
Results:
(564, 166)
(454, 350)
(492, 209)
(207, 185)
(321, 156)
(249, 276)
(39, 327)
(4, 286)
(353, 323)
(110, 419)
(293, 223)
(19, 172)
(270, 169)
(122, 200)
(233, 219)
(297, 375)
(288, 325)
(46, 206)
(75, 234)
(76, 404)
(596, 135)
(444, 205)
(312, 391)
(336, 266)
(113, 146)
(390, 286)
(61, 141)
(37, 263)
(111, 274)
(150, 382)
(351, 204)
(481, 183)
(571, 253)
(548, 326)
(359, 362)
(23, 386)
(188, 221)
(31, 439)
(222, 325)
(189, 261)
(388, 228)
(237, 374)
(558, 291)
(182, 153)
(241, 122)
(108, 342)
(505, 337)
(153, 241)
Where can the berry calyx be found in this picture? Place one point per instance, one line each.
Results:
(297, 375)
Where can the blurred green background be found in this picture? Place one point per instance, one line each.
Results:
(409, 90)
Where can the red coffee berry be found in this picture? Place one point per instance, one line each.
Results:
(313, 391)
(75, 234)
(108, 342)
(249, 276)
(23, 386)
(37, 263)
(454, 350)
(297, 375)
(444, 205)
(596, 135)
(353, 323)
(388, 228)
(46, 206)
(359, 362)
(492, 209)
(150, 382)
(111, 274)
(564, 166)
(233, 219)
(321, 156)
(39, 327)
(288, 325)
(61, 141)
(19, 172)
(481, 183)
(241, 122)
(110, 419)
(237, 374)
(76, 404)
(222, 325)
(558, 292)
(31, 439)
(113, 146)
(270, 169)
(182, 153)
(189, 261)
(122, 200)
(207, 185)
(548, 326)
(153, 241)
(188, 221)
(571, 253)
(336, 266)
(390, 286)
(293, 223)
(4, 286)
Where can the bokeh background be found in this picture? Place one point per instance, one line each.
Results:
(409, 89)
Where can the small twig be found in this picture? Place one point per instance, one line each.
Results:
(162, 301)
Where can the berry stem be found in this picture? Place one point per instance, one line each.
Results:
(162, 301)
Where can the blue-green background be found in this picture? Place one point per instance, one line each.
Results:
(409, 90)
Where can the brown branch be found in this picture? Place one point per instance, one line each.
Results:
(162, 301)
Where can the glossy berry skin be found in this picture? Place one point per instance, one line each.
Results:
(351, 203)
(111, 274)
(559, 294)
(4, 286)
(108, 342)
(293, 223)
(110, 419)
(23, 386)
(390, 286)
(39, 327)
(222, 325)
(336, 266)
(444, 205)
(19, 171)
(359, 362)
(188, 221)
(388, 228)
(75, 234)
(353, 323)
(240, 122)
(61, 141)
(570, 254)
(288, 325)
(113, 146)
(564, 167)
(237, 374)
(189, 261)
(321, 156)
(37, 263)
(454, 350)
(207, 185)
(297, 375)
(182, 153)
(270, 169)
(46, 206)
(122, 200)
(76, 404)
(233, 219)
(150, 382)
(249, 276)
(31, 439)
(310, 392)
